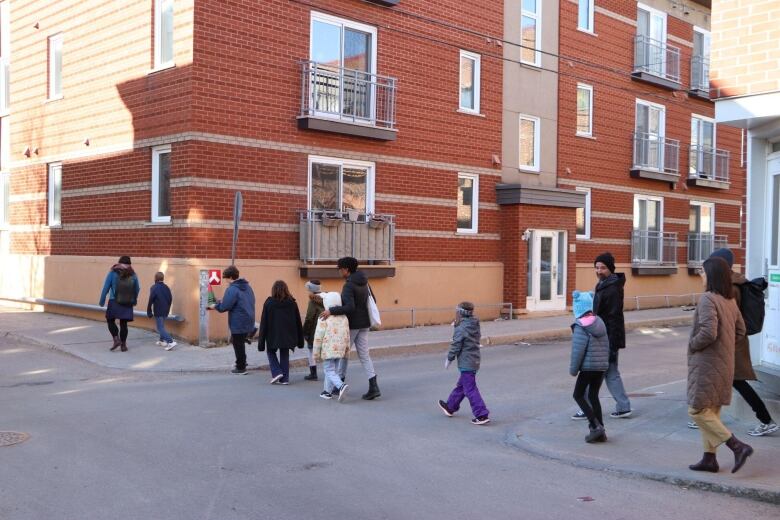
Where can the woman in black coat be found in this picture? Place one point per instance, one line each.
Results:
(280, 330)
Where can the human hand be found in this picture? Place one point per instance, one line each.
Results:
(325, 315)
(211, 307)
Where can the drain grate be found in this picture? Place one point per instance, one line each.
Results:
(11, 438)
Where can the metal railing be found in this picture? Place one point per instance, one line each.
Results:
(701, 246)
(708, 163)
(653, 249)
(330, 235)
(700, 74)
(655, 152)
(347, 95)
(76, 305)
(657, 58)
(395, 318)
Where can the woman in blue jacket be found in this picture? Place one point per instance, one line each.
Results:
(239, 303)
(122, 288)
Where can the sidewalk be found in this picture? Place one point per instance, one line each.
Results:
(89, 339)
(656, 444)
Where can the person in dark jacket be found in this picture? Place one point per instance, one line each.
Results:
(354, 299)
(280, 330)
(313, 311)
(122, 288)
(589, 361)
(159, 307)
(239, 303)
(465, 347)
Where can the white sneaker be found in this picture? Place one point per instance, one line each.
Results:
(763, 429)
(160, 343)
(169, 346)
(275, 380)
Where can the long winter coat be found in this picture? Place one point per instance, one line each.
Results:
(717, 325)
(743, 365)
(465, 344)
(589, 346)
(239, 303)
(280, 326)
(354, 297)
(331, 338)
(608, 305)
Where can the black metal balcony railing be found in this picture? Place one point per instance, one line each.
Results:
(655, 152)
(656, 58)
(700, 74)
(708, 163)
(701, 246)
(653, 249)
(330, 235)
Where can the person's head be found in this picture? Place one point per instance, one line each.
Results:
(230, 273)
(314, 286)
(464, 310)
(346, 266)
(716, 275)
(582, 303)
(280, 291)
(159, 276)
(726, 254)
(605, 265)
(124, 259)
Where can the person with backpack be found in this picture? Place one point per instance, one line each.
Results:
(239, 303)
(122, 288)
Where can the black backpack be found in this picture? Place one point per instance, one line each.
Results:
(752, 304)
(125, 291)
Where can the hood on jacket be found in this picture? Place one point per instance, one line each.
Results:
(120, 268)
(470, 324)
(596, 329)
(331, 299)
(613, 279)
(241, 284)
(358, 278)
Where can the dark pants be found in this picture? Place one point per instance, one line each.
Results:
(281, 364)
(239, 347)
(467, 387)
(755, 402)
(121, 331)
(589, 383)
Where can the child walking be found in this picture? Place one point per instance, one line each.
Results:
(331, 344)
(159, 306)
(313, 312)
(589, 362)
(465, 346)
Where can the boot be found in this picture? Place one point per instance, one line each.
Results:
(123, 344)
(741, 452)
(373, 390)
(116, 343)
(708, 462)
(597, 434)
(312, 374)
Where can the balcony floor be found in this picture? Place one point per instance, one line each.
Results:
(656, 175)
(345, 127)
(658, 81)
(709, 183)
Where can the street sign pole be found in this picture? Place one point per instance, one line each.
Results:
(238, 206)
(203, 313)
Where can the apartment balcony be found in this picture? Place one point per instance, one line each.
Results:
(347, 101)
(653, 252)
(700, 77)
(701, 246)
(709, 167)
(326, 236)
(656, 62)
(386, 3)
(656, 157)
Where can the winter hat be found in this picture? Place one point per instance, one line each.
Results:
(465, 309)
(314, 286)
(582, 302)
(124, 259)
(606, 259)
(724, 253)
(331, 299)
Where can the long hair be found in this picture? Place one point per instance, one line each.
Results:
(718, 277)
(280, 291)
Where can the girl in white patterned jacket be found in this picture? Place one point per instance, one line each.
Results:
(331, 343)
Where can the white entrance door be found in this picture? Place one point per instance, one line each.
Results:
(546, 271)
(770, 336)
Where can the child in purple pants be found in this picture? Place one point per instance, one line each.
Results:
(465, 346)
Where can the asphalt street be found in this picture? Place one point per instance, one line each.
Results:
(107, 444)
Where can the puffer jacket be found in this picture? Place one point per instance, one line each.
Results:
(589, 346)
(331, 338)
(239, 303)
(608, 305)
(354, 297)
(465, 344)
(717, 326)
(313, 312)
(743, 365)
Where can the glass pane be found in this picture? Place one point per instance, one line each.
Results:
(775, 218)
(465, 203)
(57, 65)
(698, 44)
(561, 262)
(166, 32)
(528, 36)
(354, 182)
(705, 219)
(325, 186)
(583, 111)
(527, 130)
(694, 220)
(653, 215)
(326, 44)
(654, 121)
(545, 268)
(708, 134)
(57, 194)
(583, 17)
(580, 219)
(642, 22)
(641, 119)
(529, 5)
(164, 185)
(467, 83)
(529, 280)
(357, 80)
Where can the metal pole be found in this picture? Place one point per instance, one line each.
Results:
(203, 315)
(238, 205)
(414, 321)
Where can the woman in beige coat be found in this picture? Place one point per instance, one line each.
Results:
(717, 326)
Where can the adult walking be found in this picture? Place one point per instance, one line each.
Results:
(717, 326)
(239, 303)
(280, 331)
(122, 288)
(354, 299)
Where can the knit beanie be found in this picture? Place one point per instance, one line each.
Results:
(314, 286)
(724, 253)
(606, 259)
(582, 302)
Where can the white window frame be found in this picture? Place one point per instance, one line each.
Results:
(5, 59)
(156, 152)
(477, 59)
(343, 22)
(53, 40)
(537, 16)
(714, 128)
(537, 145)
(5, 195)
(158, 11)
(702, 203)
(54, 169)
(591, 8)
(637, 198)
(589, 88)
(587, 210)
(653, 11)
(474, 205)
(370, 167)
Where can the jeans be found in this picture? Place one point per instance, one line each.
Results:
(164, 336)
(281, 364)
(121, 331)
(589, 383)
(615, 387)
(755, 402)
(358, 337)
(467, 387)
(332, 379)
(239, 347)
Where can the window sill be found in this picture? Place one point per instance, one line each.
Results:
(535, 66)
(587, 136)
(154, 223)
(469, 112)
(525, 169)
(580, 29)
(583, 237)
(54, 226)
(161, 68)
(467, 232)
(53, 99)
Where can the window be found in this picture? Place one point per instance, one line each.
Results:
(161, 184)
(163, 33)
(469, 81)
(530, 30)
(468, 202)
(583, 216)
(529, 143)
(648, 213)
(55, 194)
(649, 135)
(55, 67)
(701, 218)
(584, 110)
(700, 64)
(585, 15)
(341, 185)
(703, 154)
(651, 27)
(5, 197)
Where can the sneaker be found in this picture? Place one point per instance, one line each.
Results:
(275, 380)
(238, 371)
(169, 346)
(579, 416)
(692, 425)
(326, 395)
(284, 382)
(620, 415)
(343, 391)
(445, 409)
(763, 429)
(160, 343)
(480, 420)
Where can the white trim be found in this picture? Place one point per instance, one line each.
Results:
(55, 169)
(637, 198)
(587, 209)
(369, 166)
(589, 88)
(537, 17)
(477, 59)
(156, 152)
(5, 199)
(702, 203)
(537, 145)
(54, 40)
(474, 204)
(653, 11)
(158, 63)
(343, 22)
(591, 9)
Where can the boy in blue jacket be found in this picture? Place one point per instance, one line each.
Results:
(239, 303)
(159, 306)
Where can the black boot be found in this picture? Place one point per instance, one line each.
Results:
(708, 462)
(312, 374)
(116, 343)
(373, 390)
(123, 346)
(741, 452)
(597, 434)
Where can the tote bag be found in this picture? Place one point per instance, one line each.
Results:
(373, 311)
